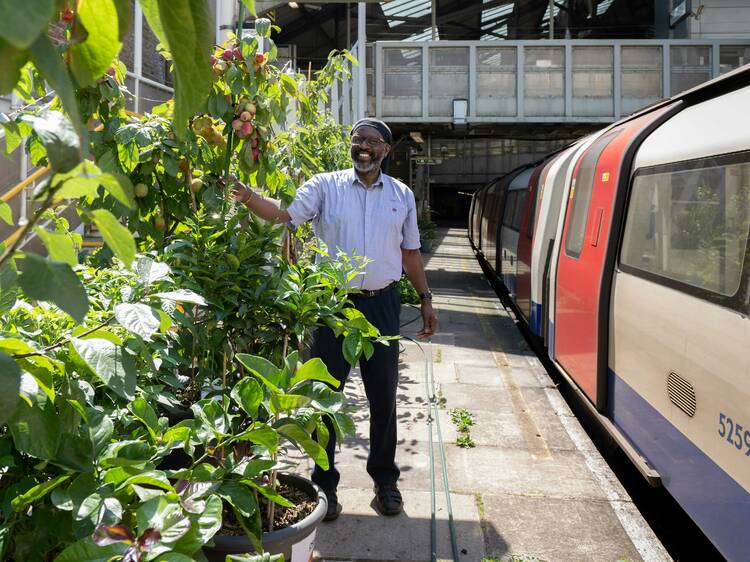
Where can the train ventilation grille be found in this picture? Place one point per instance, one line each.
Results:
(681, 393)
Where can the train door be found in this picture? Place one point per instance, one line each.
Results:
(525, 236)
(515, 203)
(549, 197)
(579, 350)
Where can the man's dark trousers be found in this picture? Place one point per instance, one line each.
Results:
(380, 378)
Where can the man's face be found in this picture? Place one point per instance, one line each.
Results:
(368, 150)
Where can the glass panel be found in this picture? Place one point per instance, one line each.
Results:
(544, 80)
(691, 226)
(580, 193)
(690, 66)
(496, 81)
(733, 56)
(592, 81)
(641, 77)
(510, 208)
(402, 82)
(449, 79)
(520, 206)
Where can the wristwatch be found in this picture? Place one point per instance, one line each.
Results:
(426, 296)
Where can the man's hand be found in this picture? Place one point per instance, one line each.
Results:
(240, 191)
(429, 321)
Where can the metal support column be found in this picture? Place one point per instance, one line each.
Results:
(473, 81)
(425, 81)
(666, 70)
(362, 56)
(138, 55)
(715, 59)
(617, 81)
(568, 79)
(520, 86)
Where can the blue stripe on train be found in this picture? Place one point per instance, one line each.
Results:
(718, 504)
(536, 318)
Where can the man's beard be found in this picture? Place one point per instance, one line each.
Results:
(367, 166)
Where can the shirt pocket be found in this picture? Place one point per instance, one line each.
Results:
(394, 215)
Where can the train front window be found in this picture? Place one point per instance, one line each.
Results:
(689, 223)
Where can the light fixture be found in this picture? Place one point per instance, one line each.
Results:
(416, 136)
(293, 5)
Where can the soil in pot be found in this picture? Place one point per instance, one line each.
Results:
(282, 517)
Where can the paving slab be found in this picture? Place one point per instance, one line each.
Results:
(532, 488)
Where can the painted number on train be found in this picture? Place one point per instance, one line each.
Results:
(734, 433)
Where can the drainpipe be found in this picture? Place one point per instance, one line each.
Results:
(362, 56)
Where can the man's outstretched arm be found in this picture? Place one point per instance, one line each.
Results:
(265, 207)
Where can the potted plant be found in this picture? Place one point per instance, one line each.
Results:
(426, 230)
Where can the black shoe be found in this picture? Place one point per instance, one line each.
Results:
(334, 507)
(388, 499)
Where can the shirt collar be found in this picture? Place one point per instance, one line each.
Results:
(379, 182)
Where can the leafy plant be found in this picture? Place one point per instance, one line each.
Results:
(463, 419)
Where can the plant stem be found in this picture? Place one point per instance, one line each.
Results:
(10, 250)
(66, 340)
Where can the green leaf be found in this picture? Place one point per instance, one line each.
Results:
(150, 271)
(12, 60)
(262, 368)
(250, 5)
(36, 428)
(119, 187)
(249, 395)
(100, 428)
(202, 527)
(59, 246)
(288, 402)
(352, 347)
(86, 551)
(301, 438)
(59, 137)
(153, 478)
(314, 370)
(117, 237)
(138, 318)
(174, 557)
(110, 363)
(8, 288)
(262, 435)
(143, 411)
(6, 214)
(22, 22)
(90, 59)
(165, 516)
(270, 493)
(183, 295)
(46, 58)
(10, 385)
(186, 27)
(48, 280)
(239, 496)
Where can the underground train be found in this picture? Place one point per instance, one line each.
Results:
(627, 256)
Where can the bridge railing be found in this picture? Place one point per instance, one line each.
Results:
(541, 81)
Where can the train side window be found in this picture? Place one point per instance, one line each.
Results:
(532, 215)
(518, 213)
(688, 224)
(581, 194)
(510, 208)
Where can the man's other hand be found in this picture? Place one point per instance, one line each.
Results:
(429, 321)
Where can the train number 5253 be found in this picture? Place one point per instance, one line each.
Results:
(734, 434)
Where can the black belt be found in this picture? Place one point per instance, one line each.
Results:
(366, 294)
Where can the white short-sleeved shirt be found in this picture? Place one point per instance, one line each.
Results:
(375, 222)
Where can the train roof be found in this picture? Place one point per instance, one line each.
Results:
(718, 125)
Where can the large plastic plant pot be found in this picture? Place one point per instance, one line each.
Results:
(296, 542)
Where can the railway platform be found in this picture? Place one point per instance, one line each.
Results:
(532, 488)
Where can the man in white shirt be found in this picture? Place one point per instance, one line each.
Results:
(363, 212)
